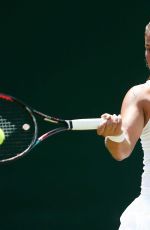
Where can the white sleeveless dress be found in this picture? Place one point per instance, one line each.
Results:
(137, 214)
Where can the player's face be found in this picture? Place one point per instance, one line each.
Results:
(147, 49)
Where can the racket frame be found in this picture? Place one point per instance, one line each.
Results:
(36, 139)
(77, 124)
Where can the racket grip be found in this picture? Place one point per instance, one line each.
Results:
(85, 124)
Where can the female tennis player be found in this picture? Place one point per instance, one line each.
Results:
(121, 135)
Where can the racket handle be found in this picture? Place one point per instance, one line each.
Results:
(85, 124)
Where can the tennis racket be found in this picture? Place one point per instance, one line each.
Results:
(21, 129)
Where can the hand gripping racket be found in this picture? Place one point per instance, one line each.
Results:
(20, 127)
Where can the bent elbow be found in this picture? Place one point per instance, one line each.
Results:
(119, 151)
(121, 156)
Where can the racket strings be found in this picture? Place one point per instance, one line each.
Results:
(19, 128)
(7, 126)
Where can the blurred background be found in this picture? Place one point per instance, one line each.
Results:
(71, 59)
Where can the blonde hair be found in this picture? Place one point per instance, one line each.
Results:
(147, 32)
(147, 28)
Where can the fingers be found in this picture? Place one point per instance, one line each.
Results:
(111, 125)
(102, 127)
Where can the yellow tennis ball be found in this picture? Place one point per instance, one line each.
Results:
(2, 136)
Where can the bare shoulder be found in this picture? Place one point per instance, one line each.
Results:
(139, 92)
(139, 97)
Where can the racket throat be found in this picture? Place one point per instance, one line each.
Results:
(51, 121)
(51, 133)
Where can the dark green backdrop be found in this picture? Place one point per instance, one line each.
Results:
(71, 59)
